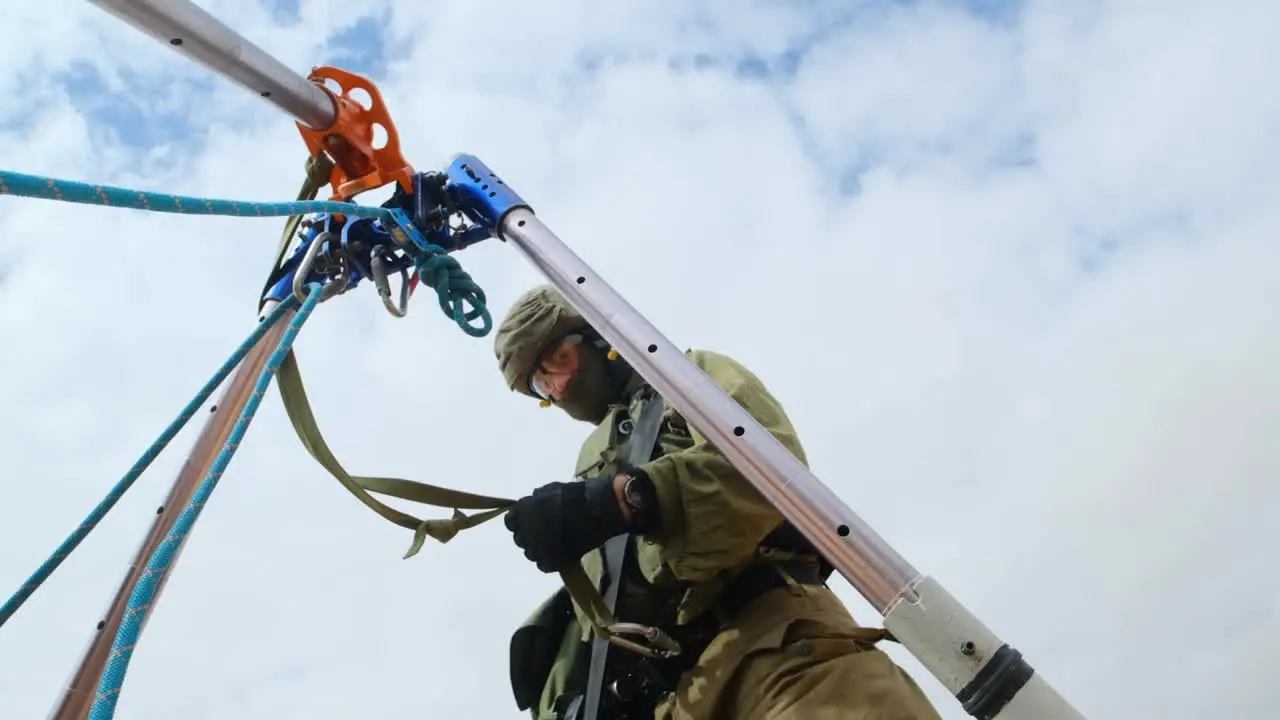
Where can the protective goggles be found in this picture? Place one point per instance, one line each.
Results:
(558, 360)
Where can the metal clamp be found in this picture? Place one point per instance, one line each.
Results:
(660, 644)
(378, 269)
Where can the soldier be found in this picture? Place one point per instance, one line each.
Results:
(696, 551)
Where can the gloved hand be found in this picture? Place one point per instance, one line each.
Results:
(560, 522)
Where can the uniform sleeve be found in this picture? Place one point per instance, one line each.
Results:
(713, 518)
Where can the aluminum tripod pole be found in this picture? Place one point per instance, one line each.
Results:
(990, 679)
(203, 38)
(206, 40)
(77, 696)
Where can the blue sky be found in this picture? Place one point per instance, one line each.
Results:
(123, 107)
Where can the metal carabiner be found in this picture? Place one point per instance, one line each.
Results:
(378, 269)
(304, 269)
(661, 645)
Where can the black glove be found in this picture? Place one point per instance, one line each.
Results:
(560, 522)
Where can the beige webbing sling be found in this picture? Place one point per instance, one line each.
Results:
(298, 408)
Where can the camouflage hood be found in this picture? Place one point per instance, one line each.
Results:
(536, 318)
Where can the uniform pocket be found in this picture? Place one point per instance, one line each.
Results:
(535, 645)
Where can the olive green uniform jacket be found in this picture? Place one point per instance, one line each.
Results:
(794, 652)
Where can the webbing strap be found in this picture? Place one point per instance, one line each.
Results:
(615, 556)
(294, 397)
(587, 597)
(319, 167)
(298, 407)
(636, 451)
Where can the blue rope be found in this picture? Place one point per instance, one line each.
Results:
(440, 271)
(46, 188)
(44, 571)
(436, 268)
(144, 591)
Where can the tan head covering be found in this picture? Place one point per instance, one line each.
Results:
(535, 319)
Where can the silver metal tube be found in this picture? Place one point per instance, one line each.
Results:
(205, 39)
(78, 696)
(857, 552)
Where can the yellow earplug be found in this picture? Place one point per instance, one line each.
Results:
(613, 353)
(544, 403)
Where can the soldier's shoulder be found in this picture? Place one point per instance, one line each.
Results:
(713, 362)
(704, 356)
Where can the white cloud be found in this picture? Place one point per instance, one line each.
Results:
(1031, 349)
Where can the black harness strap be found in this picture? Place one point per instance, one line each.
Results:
(635, 451)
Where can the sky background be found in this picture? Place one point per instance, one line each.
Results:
(1007, 265)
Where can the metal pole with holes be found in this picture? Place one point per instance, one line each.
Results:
(990, 679)
(208, 41)
(77, 696)
(201, 37)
